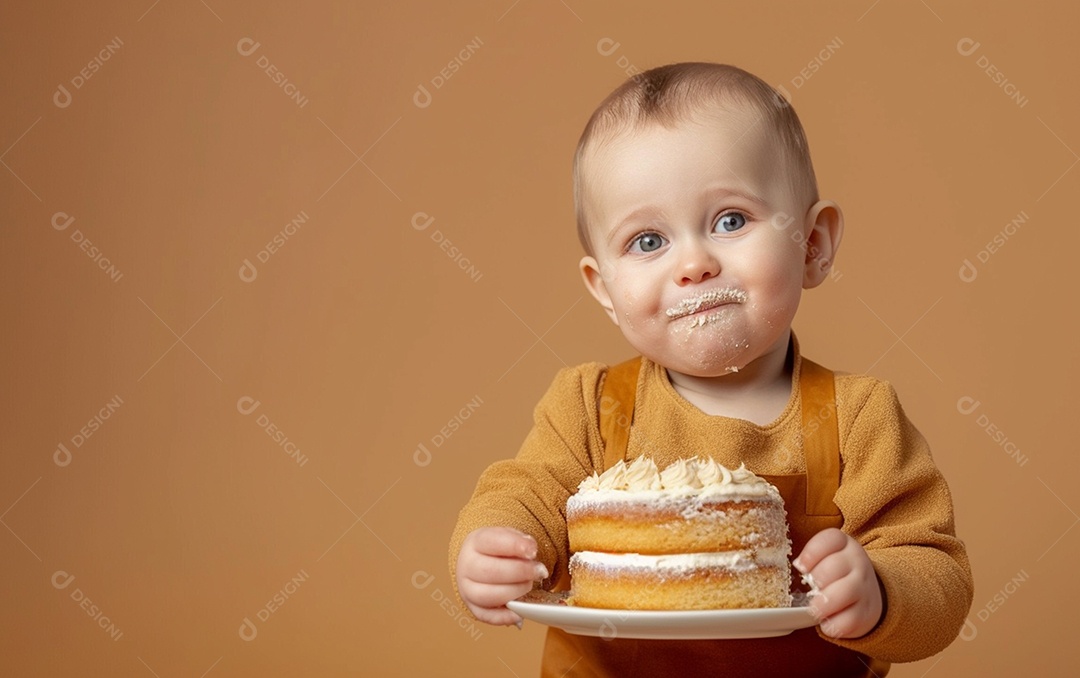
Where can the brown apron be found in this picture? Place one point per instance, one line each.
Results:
(808, 499)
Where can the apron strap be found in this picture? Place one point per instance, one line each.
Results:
(616, 416)
(821, 438)
(617, 409)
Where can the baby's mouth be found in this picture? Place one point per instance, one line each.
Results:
(706, 301)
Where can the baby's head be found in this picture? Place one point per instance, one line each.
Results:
(698, 209)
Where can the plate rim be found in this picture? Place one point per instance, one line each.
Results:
(654, 624)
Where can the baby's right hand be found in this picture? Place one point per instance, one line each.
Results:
(497, 565)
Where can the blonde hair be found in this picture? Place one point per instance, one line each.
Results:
(671, 94)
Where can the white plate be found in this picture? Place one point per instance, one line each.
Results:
(679, 625)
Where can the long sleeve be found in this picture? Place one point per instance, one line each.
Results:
(896, 504)
(529, 492)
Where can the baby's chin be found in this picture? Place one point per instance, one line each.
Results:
(710, 362)
(707, 371)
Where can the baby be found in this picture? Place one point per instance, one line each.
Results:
(698, 209)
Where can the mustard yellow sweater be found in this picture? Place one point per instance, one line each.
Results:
(894, 501)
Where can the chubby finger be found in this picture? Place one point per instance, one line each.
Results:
(833, 599)
(822, 544)
(504, 541)
(499, 616)
(853, 621)
(850, 606)
(491, 596)
(843, 624)
(831, 568)
(504, 570)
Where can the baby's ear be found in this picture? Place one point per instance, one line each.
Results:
(824, 227)
(595, 276)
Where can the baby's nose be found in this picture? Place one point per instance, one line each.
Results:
(696, 264)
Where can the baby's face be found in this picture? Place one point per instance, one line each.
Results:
(697, 243)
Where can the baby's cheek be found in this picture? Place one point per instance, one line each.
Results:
(777, 307)
(641, 310)
(630, 306)
(784, 285)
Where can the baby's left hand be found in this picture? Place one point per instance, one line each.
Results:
(849, 604)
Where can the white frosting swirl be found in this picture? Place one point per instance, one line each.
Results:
(642, 474)
(682, 473)
(614, 478)
(590, 483)
(696, 474)
(742, 475)
(711, 473)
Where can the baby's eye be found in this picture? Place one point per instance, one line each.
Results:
(647, 242)
(730, 222)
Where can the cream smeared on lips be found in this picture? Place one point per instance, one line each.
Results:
(706, 301)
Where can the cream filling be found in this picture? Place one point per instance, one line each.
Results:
(738, 561)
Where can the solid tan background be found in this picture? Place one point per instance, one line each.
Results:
(360, 339)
